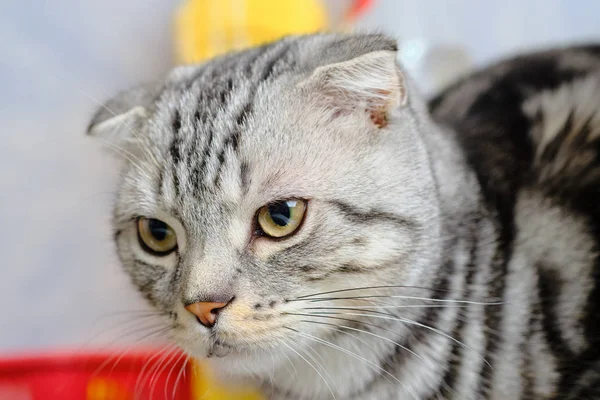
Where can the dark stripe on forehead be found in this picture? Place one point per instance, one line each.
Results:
(251, 59)
(234, 137)
(245, 176)
(205, 154)
(203, 129)
(221, 161)
(175, 150)
(175, 142)
(212, 69)
(161, 182)
(276, 59)
(244, 113)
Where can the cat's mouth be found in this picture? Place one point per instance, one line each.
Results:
(218, 348)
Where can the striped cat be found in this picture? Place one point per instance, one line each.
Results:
(301, 217)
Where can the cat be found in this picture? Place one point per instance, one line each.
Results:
(305, 220)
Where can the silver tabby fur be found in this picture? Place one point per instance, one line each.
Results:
(450, 251)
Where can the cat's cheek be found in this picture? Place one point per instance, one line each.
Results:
(263, 248)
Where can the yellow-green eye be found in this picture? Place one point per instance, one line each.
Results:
(281, 218)
(156, 237)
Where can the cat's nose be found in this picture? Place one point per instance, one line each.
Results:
(207, 312)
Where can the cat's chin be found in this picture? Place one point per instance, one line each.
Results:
(244, 366)
(220, 352)
(235, 363)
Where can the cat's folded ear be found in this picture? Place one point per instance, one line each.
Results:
(372, 83)
(118, 122)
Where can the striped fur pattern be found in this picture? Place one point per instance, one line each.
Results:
(449, 251)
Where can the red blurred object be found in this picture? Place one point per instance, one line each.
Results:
(359, 7)
(97, 376)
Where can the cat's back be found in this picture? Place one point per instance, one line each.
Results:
(532, 122)
(530, 129)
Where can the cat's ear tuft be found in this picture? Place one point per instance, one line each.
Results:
(371, 82)
(118, 121)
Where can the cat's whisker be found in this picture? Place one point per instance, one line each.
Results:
(481, 303)
(272, 376)
(381, 315)
(386, 307)
(120, 357)
(394, 306)
(163, 363)
(370, 288)
(145, 375)
(354, 355)
(134, 330)
(154, 371)
(120, 313)
(311, 365)
(316, 354)
(179, 375)
(339, 348)
(175, 361)
(141, 379)
(118, 360)
(342, 328)
(145, 318)
(306, 350)
(320, 315)
(291, 363)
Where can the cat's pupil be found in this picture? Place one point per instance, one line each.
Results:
(280, 213)
(158, 229)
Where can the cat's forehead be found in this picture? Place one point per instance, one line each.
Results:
(243, 124)
(202, 118)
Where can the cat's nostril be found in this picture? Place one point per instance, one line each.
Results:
(206, 312)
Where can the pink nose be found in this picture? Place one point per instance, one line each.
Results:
(206, 312)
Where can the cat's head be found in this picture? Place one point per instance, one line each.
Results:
(259, 186)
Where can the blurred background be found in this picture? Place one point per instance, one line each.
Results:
(60, 283)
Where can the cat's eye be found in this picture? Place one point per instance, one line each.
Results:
(156, 237)
(281, 218)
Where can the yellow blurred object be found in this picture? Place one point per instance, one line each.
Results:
(205, 387)
(104, 389)
(207, 28)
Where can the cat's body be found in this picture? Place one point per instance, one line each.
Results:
(447, 259)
